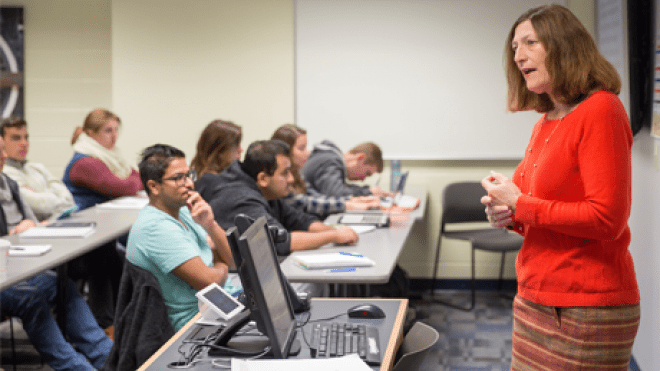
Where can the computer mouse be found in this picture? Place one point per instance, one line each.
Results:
(366, 311)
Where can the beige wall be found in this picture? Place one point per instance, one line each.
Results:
(67, 71)
(168, 67)
(177, 65)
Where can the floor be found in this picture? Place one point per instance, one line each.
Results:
(479, 340)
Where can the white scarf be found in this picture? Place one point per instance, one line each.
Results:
(111, 157)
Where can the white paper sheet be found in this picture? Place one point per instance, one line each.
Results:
(351, 362)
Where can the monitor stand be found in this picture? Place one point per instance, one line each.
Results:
(228, 332)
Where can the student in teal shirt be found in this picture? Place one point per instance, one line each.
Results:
(176, 237)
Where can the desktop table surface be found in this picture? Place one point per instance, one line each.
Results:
(390, 330)
(383, 246)
(110, 224)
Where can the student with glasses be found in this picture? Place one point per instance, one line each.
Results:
(176, 237)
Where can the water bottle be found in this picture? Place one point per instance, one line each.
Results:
(396, 174)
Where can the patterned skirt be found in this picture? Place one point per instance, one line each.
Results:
(572, 338)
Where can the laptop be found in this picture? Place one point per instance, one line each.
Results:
(399, 198)
(376, 218)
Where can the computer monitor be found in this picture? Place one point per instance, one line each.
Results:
(266, 293)
(299, 301)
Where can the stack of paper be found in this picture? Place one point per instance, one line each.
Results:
(351, 362)
(331, 260)
(61, 229)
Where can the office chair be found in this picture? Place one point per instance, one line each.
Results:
(415, 346)
(461, 203)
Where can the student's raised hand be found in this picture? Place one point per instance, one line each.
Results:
(200, 210)
(346, 235)
(24, 225)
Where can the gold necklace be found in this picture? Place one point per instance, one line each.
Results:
(547, 142)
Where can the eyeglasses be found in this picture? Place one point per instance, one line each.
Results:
(180, 179)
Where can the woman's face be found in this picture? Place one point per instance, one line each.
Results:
(236, 152)
(529, 56)
(107, 135)
(299, 152)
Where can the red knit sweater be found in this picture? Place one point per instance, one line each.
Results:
(575, 207)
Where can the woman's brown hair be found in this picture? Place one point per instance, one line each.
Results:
(94, 122)
(215, 145)
(289, 133)
(575, 65)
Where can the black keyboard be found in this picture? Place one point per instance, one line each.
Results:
(335, 339)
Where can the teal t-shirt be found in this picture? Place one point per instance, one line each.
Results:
(159, 243)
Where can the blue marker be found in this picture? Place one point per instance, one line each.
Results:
(351, 254)
(342, 270)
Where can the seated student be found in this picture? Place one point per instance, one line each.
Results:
(217, 147)
(31, 300)
(46, 195)
(98, 172)
(327, 169)
(305, 198)
(170, 236)
(255, 188)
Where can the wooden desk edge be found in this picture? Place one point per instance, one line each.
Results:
(169, 343)
(395, 341)
(388, 357)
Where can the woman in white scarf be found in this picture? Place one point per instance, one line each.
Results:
(98, 172)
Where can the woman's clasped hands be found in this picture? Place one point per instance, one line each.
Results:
(501, 199)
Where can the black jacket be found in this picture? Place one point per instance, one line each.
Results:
(233, 192)
(15, 193)
(142, 325)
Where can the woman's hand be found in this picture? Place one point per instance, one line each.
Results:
(501, 190)
(499, 216)
(501, 199)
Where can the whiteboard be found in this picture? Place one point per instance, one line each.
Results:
(423, 79)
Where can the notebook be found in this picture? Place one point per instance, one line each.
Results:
(332, 260)
(28, 250)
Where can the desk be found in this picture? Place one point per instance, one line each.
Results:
(383, 246)
(110, 224)
(390, 330)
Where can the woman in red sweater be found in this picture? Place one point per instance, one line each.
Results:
(578, 302)
(98, 172)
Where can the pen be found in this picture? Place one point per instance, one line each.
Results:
(351, 254)
(342, 270)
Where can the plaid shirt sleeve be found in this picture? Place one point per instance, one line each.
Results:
(316, 203)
